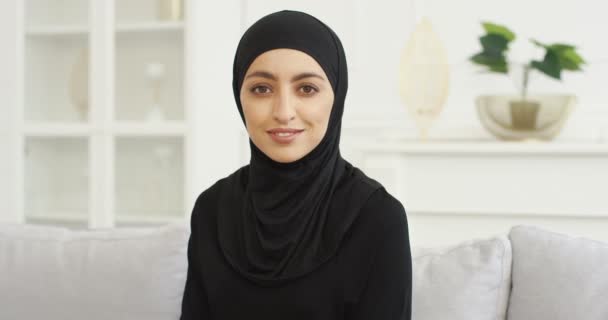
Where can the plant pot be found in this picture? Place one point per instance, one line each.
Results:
(524, 114)
(539, 117)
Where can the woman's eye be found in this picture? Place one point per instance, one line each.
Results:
(308, 89)
(260, 89)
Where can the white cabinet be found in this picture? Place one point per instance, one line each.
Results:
(101, 132)
(457, 190)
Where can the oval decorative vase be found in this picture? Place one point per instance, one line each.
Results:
(424, 76)
(79, 84)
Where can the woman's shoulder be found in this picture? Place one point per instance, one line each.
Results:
(207, 201)
(383, 210)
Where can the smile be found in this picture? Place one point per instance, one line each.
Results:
(284, 137)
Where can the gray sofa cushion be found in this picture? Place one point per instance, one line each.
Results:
(55, 273)
(557, 277)
(467, 281)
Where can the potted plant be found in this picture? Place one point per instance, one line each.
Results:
(528, 116)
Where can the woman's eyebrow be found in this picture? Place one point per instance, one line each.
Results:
(306, 75)
(268, 75)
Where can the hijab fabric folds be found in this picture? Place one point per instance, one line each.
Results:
(281, 221)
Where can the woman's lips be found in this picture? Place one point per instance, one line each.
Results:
(284, 137)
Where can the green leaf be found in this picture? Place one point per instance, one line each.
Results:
(566, 56)
(561, 47)
(500, 30)
(549, 66)
(494, 43)
(572, 55)
(486, 58)
(496, 63)
(570, 60)
(499, 68)
(542, 45)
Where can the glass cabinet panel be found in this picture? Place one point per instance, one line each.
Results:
(137, 11)
(149, 76)
(149, 178)
(149, 61)
(56, 69)
(56, 180)
(55, 13)
(149, 112)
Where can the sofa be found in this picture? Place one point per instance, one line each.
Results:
(55, 273)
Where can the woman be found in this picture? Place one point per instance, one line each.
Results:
(299, 233)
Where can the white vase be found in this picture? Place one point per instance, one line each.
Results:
(424, 76)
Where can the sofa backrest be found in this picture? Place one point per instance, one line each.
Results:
(557, 276)
(466, 281)
(55, 273)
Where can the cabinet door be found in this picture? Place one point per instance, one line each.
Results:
(149, 120)
(57, 180)
(103, 124)
(56, 62)
(54, 118)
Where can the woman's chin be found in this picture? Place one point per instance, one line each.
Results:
(285, 157)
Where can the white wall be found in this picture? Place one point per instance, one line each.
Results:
(217, 123)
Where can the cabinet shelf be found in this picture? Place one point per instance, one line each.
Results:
(52, 31)
(135, 129)
(57, 130)
(60, 216)
(149, 27)
(82, 30)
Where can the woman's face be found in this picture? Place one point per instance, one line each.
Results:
(286, 89)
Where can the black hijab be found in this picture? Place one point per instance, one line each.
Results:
(280, 221)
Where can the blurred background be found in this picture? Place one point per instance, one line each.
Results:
(120, 113)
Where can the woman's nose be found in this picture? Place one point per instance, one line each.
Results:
(284, 109)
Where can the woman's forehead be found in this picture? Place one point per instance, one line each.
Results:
(282, 62)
